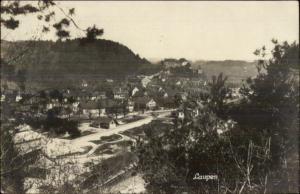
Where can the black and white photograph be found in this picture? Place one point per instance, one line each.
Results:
(158, 97)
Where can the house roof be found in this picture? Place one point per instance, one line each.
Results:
(89, 105)
(107, 103)
(119, 89)
(171, 92)
(98, 93)
(104, 119)
(142, 100)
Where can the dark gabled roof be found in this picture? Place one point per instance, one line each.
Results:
(107, 103)
(102, 93)
(139, 93)
(121, 92)
(119, 89)
(89, 105)
(98, 93)
(171, 92)
(104, 119)
(142, 100)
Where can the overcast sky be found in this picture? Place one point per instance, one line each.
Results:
(194, 30)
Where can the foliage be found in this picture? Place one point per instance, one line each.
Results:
(93, 32)
(272, 99)
(12, 167)
(270, 108)
(219, 93)
(55, 125)
(101, 172)
(184, 71)
(46, 11)
(67, 60)
(249, 155)
(170, 161)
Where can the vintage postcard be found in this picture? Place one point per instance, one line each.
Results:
(149, 97)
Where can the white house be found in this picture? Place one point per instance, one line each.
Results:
(84, 84)
(75, 106)
(151, 104)
(134, 91)
(180, 115)
(2, 97)
(130, 106)
(120, 93)
(18, 98)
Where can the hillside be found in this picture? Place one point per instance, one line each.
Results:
(48, 60)
(236, 70)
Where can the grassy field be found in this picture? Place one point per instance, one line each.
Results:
(106, 139)
(112, 148)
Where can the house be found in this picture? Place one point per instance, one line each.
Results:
(182, 95)
(52, 104)
(91, 109)
(130, 106)
(18, 97)
(171, 63)
(65, 113)
(9, 95)
(165, 94)
(235, 93)
(179, 113)
(167, 63)
(141, 93)
(194, 112)
(2, 97)
(75, 106)
(104, 122)
(199, 71)
(98, 95)
(134, 91)
(175, 93)
(109, 80)
(83, 95)
(146, 80)
(133, 80)
(165, 102)
(120, 93)
(142, 103)
(101, 95)
(84, 84)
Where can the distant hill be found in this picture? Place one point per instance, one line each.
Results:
(48, 60)
(236, 70)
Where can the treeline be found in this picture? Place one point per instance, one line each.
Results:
(48, 60)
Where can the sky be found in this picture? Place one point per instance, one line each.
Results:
(194, 30)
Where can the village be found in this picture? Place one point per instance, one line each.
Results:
(91, 124)
(113, 100)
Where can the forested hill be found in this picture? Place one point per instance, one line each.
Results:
(48, 59)
(236, 70)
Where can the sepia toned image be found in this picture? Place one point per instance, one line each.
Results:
(160, 97)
